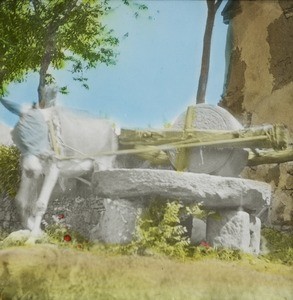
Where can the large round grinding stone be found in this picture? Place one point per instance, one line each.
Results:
(209, 160)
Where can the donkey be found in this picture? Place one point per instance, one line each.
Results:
(55, 142)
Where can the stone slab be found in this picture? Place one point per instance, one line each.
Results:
(212, 191)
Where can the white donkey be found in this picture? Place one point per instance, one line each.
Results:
(55, 142)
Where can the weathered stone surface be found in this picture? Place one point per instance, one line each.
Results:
(280, 177)
(229, 230)
(234, 229)
(210, 160)
(117, 222)
(198, 233)
(255, 235)
(212, 191)
(76, 207)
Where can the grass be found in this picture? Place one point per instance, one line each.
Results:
(54, 272)
(72, 268)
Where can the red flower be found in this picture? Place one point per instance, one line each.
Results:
(205, 244)
(61, 216)
(67, 238)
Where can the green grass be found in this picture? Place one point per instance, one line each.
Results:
(51, 272)
(280, 246)
(58, 269)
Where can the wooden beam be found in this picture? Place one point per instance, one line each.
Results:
(270, 157)
(270, 136)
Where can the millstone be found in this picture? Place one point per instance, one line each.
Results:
(215, 161)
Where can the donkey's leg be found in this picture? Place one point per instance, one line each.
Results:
(25, 198)
(41, 205)
(22, 197)
(36, 182)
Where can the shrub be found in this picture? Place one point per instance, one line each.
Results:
(160, 231)
(280, 246)
(9, 170)
(63, 235)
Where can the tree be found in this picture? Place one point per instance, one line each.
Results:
(213, 6)
(38, 34)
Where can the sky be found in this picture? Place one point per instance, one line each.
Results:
(156, 75)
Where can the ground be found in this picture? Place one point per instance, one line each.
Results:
(54, 272)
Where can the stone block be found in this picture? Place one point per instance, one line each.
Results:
(229, 229)
(117, 222)
(212, 191)
(198, 233)
(255, 234)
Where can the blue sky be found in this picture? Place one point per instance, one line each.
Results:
(157, 70)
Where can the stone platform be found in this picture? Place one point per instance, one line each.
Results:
(236, 200)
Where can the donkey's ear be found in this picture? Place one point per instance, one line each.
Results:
(13, 107)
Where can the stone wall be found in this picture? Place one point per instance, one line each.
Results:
(77, 208)
(259, 84)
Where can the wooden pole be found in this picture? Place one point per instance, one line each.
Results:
(182, 157)
(270, 157)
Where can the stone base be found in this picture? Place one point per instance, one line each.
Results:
(231, 197)
(117, 223)
(255, 235)
(198, 233)
(235, 230)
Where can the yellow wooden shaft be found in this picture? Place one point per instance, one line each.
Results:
(183, 154)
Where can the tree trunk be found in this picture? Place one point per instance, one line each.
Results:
(46, 60)
(50, 44)
(205, 60)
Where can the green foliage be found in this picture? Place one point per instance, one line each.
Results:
(64, 236)
(41, 33)
(9, 170)
(204, 251)
(199, 212)
(280, 246)
(160, 231)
